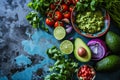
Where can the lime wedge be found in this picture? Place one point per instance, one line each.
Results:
(66, 47)
(59, 33)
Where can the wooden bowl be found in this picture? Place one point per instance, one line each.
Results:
(97, 34)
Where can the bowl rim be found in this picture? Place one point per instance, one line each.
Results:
(87, 34)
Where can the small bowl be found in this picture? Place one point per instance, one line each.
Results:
(93, 73)
(97, 34)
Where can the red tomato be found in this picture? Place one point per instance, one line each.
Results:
(64, 7)
(67, 15)
(58, 16)
(49, 21)
(74, 1)
(52, 6)
(58, 23)
(71, 8)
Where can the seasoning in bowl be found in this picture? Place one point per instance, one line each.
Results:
(86, 72)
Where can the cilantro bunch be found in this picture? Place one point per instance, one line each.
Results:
(83, 5)
(36, 17)
(63, 69)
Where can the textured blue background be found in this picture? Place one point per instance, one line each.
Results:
(23, 49)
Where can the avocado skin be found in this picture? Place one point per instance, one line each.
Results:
(109, 64)
(113, 42)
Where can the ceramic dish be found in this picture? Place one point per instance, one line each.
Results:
(97, 34)
(86, 72)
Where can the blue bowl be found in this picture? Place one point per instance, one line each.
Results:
(97, 34)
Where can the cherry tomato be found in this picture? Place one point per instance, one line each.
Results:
(67, 15)
(71, 8)
(74, 1)
(49, 21)
(58, 16)
(52, 6)
(58, 23)
(64, 7)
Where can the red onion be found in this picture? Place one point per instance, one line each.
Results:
(67, 26)
(68, 29)
(71, 38)
(98, 48)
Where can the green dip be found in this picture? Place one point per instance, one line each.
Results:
(90, 22)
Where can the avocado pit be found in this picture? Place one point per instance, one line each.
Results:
(82, 52)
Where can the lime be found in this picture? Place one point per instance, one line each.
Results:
(66, 47)
(59, 32)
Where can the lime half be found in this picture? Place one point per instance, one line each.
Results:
(66, 47)
(59, 32)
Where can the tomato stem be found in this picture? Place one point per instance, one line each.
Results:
(57, 5)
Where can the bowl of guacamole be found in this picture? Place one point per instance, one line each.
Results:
(91, 24)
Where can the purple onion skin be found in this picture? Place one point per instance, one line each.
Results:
(69, 29)
(71, 38)
(104, 46)
(67, 26)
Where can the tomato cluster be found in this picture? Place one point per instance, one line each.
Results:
(86, 72)
(59, 10)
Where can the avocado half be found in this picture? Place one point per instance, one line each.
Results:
(80, 43)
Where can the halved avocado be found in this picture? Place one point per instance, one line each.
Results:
(78, 44)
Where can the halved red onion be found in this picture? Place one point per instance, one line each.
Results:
(98, 48)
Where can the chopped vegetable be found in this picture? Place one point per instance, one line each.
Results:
(68, 29)
(90, 22)
(63, 69)
(111, 6)
(86, 72)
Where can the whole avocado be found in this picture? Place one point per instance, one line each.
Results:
(113, 42)
(109, 63)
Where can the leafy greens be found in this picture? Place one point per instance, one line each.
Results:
(63, 69)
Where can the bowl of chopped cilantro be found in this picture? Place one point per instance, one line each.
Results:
(91, 24)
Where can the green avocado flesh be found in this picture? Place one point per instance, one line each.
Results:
(79, 43)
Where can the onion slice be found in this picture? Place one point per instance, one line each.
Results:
(68, 29)
(98, 48)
